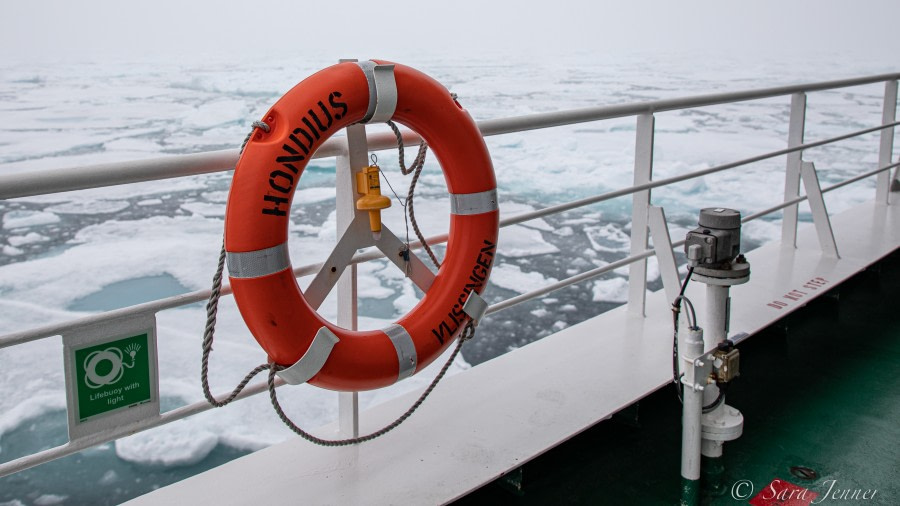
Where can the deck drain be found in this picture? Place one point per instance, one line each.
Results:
(804, 473)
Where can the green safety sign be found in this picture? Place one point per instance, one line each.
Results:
(112, 375)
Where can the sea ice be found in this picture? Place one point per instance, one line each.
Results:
(21, 219)
(177, 444)
(611, 290)
(370, 287)
(509, 209)
(512, 277)
(108, 477)
(50, 499)
(609, 237)
(29, 238)
(519, 241)
(89, 207)
(204, 208)
(314, 195)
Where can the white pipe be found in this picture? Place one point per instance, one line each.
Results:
(716, 315)
(716, 319)
(691, 347)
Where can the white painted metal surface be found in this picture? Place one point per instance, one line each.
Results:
(640, 203)
(886, 142)
(665, 256)
(792, 167)
(691, 348)
(353, 160)
(493, 418)
(819, 211)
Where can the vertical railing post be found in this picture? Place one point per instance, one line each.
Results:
(348, 164)
(886, 149)
(640, 209)
(792, 170)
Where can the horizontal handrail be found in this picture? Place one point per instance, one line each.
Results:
(586, 275)
(797, 200)
(552, 119)
(69, 448)
(202, 295)
(95, 176)
(83, 443)
(683, 177)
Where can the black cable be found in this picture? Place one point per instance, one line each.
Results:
(676, 372)
(676, 312)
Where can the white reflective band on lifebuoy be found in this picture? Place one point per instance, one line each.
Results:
(406, 350)
(255, 264)
(311, 361)
(382, 91)
(473, 203)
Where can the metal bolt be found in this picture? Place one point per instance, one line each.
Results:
(804, 473)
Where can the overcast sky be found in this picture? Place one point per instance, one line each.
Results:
(48, 30)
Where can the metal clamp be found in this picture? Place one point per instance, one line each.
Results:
(382, 91)
(475, 306)
(312, 361)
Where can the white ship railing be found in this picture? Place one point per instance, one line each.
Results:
(61, 180)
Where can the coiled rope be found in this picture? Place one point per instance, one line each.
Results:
(213, 305)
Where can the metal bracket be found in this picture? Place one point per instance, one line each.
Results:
(819, 212)
(415, 268)
(475, 306)
(356, 236)
(312, 361)
(407, 358)
(662, 244)
(382, 91)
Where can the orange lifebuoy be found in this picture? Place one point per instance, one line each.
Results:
(256, 226)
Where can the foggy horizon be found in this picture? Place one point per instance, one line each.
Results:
(48, 31)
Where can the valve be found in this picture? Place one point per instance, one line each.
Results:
(368, 183)
(727, 362)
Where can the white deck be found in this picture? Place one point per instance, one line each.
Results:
(490, 419)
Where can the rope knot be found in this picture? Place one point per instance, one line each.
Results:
(262, 125)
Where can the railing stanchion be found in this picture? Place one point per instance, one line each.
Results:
(886, 148)
(819, 212)
(665, 255)
(348, 164)
(640, 209)
(792, 170)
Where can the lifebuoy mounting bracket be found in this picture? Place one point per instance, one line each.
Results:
(382, 91)
(312, 361)
(475, 307)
